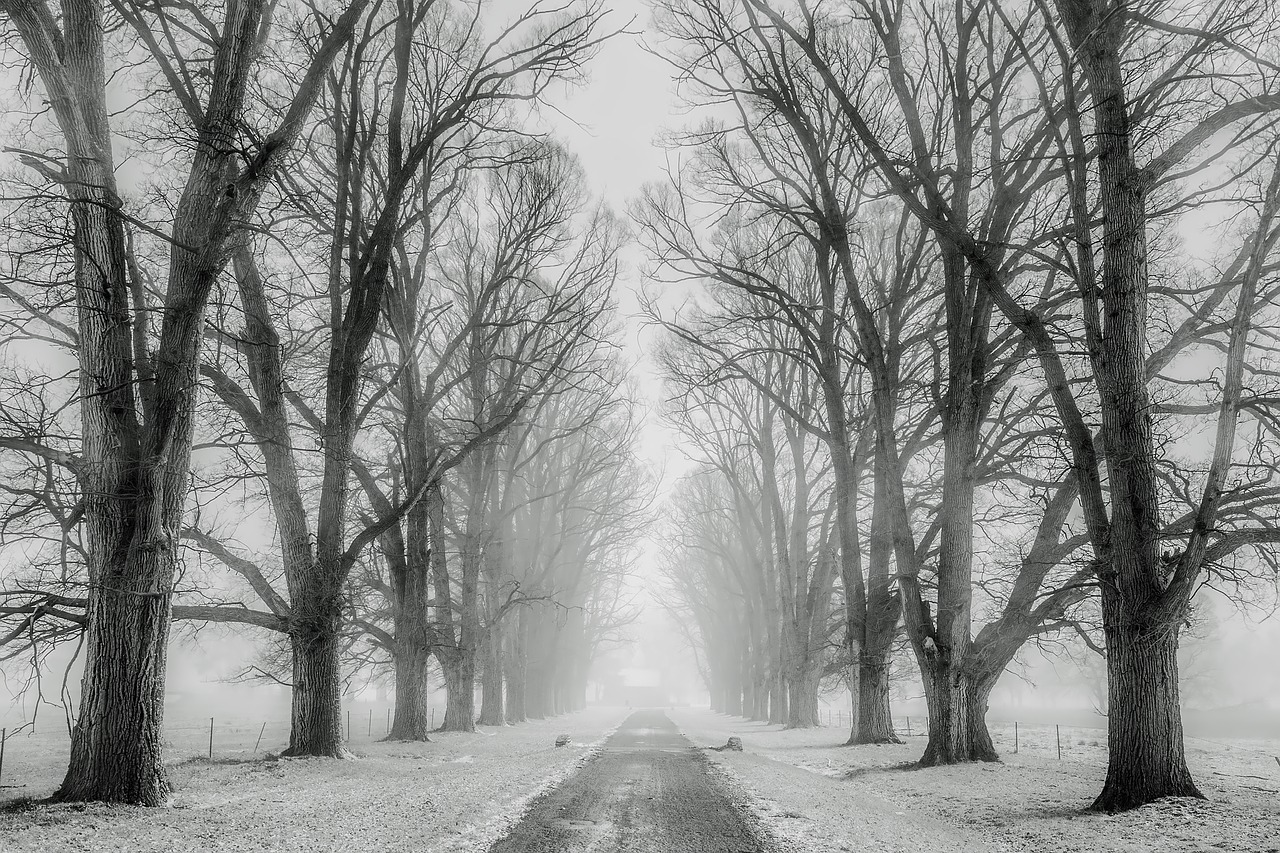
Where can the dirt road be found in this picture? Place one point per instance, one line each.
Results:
(647, 792)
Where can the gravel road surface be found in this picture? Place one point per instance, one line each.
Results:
(648, 791)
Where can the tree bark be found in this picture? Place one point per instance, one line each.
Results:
(957, 719)
(802, 704)
(1144, 723)
(493, 711)
(492, 705)
(411, 718)
(733, 698)
(541, 666)
(874, 720)
(478, 474)
(538, 693)
(760, 711)
(778, 703)
(115, 747)
(459, 685)
(317, 675)
(517, 670)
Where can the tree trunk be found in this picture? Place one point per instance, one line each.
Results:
(497, 586)
(116, 744)
(135, 458)
(579, 656)
(471, 546)
(942, 649)
(733, 691)
(538, 691)
(492, 706)
(1144, 727)
(563, 695)
(802, 707)
(454, 634)
(778, 699)
(874, 719)
(412, 715)
(409, 560)
(540, 663)
(317, 702)
(873, 722)
(516, 709)
(957, 718)
(748, 683)
(459, 685)
(715, 690)
(516, 670)
(759, 689)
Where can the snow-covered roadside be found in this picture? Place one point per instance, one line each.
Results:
(824, 797)
(454, 794)
(805, 812)
(807, 809)
(508, 799)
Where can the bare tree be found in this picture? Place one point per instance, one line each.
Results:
(748, 408)
(136, 403)
(519, 308)
(582, 504)
(395, 162)
(1104, 77)
(569, 508)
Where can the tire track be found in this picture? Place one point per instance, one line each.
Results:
(648, 791)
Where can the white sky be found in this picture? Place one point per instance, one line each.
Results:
(613, 124)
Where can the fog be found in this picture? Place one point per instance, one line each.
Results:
(1230, 686)
(377, 377)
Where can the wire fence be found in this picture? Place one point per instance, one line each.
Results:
(1067, 741)
(1011, 736)
(239, 736)
(30, 752)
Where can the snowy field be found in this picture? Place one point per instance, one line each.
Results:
(816, 796)
(458, 793)
(461, 792)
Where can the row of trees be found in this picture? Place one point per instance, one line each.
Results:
(753, 555)
(308, 330)
(954, 255)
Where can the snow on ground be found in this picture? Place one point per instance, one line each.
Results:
(457, 793)
(815, 795)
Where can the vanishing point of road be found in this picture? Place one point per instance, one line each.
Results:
(648, 791)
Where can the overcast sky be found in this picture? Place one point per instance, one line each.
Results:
(614, 123)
